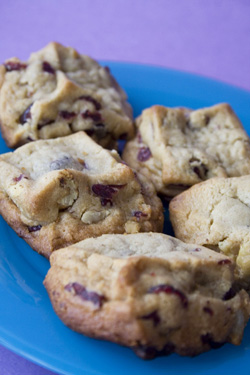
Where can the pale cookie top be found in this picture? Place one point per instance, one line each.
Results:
(178, 147)
(74, 175)
(216, 213)
(148, 290)
(58, 92)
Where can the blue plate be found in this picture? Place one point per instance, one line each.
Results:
(28, 324)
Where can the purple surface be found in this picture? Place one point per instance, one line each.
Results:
(211, 38)
(207, 37)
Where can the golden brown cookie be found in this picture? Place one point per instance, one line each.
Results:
(177, 148)
(216, 213)
(148, 291)
(59, 191)
(58, 92)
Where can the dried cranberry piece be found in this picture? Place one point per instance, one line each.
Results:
(86, 295)
(89, 98)
(106, 191)
(67, 115)
(168, 289)
(105, 201)
(12, 65)
(95, 116)
(48, 68)
(150, 352)
(35, 228)
(144, 154)
(208, 339)
(154, 316)
(26, 115)
(208, 310)
(229, 294)
(19, 178)
(139, 214)
(224, 261)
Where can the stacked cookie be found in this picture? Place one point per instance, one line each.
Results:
(58, 92)
(148, 291)
(61, 188)
(113, 274)
(59, 191)
(216, 214)
(177, 148)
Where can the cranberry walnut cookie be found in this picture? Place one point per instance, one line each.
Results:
(148, 291)
(59, 191)
(58, 92)
(177, 148)
(216, 213)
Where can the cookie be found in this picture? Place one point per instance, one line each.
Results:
(216, 213)
(59, 191)
(148, 291)
(58, 92)
(177, 148)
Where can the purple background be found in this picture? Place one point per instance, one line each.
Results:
(209, 37)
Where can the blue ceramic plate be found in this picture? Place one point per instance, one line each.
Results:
(28, 324)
